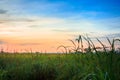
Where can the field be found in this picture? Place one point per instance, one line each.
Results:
(87, 66)
(80, 64)
(59, 39)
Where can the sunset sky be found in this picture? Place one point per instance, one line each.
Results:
(43, 25)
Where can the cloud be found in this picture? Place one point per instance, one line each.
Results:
(34, 26)
(66, 30)
(1, 22)
(21, 20)
(104, 35)
(113, 35)
(29, 44)
(2, 42)
(34, 7)
(16, 20)
(3, 11)
(109, 23)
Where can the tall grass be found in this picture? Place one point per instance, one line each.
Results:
(58, 67)
(81, 65)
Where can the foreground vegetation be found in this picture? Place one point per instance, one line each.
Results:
(76, 63)
(88, 66)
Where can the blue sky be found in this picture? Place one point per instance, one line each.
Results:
(110, 8)
(52, 19)
(105, 8)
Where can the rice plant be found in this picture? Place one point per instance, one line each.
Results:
(87, 66)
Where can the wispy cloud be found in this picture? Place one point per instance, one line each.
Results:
(110, 23)
(113, 35)
(67, 30)
(33, 7)
(29, 44)
(2, 42)
(56, 24)
(16, 20)
(2, 11)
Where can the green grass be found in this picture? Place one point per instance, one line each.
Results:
(74, 64)
(59, 66)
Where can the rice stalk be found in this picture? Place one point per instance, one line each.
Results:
(89, 50)
(65, 47)
(102, 45)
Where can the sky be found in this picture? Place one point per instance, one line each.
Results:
(43, 25)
